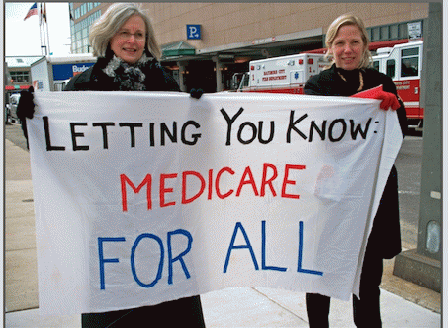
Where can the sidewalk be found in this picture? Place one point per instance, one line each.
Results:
(404, 305)
(263, 307)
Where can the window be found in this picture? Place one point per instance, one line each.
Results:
(390, 69)
(403, 31)
(375, 34)
(384, 32)
(20, 76)
(376, 65)
(394, 32)
(80, 32)
(397, 31)
(83, 9)
(409, 62)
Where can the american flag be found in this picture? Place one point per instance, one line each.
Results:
(32, 11)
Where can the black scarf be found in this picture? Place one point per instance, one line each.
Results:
(129, 77)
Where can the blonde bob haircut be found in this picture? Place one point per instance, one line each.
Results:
(105, 27)
(344, 20)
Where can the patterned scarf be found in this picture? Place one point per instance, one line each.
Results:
(129, 77)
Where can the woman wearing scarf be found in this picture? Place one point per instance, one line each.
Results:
(349, 74)
(123, 41)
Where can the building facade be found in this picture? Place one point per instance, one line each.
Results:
(204, 44)
(18, 73)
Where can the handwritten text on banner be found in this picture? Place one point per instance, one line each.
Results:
(145, 197)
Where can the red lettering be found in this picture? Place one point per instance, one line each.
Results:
(164, 190)
(286, 181)
(269, 175)
(270, 72)
(210, 183)
(218, 177)
(184, 186)
(124, 197)
(251, 181)
(277, 78)
(265, 182)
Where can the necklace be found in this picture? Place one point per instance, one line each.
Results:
(361, 81)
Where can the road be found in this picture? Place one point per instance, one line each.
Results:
(408, 164)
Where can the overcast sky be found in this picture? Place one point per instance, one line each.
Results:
(22, 38)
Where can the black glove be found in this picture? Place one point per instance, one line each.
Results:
(25, 108)
(196, 93)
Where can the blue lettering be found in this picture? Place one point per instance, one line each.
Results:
(103, 260)
(159, 272)
(299, 269)
(263, 251)
(179, 258)
(231, 246)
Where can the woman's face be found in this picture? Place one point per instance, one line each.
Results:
(347, 47)
(129, 42)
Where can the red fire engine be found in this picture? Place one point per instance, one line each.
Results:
(403, 63)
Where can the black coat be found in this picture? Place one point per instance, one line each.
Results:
(385, 238)
(189, 309)
(94, 79)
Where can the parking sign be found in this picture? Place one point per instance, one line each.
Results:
(193, 32)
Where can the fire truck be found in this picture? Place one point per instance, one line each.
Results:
(403, 64)
(285, 74)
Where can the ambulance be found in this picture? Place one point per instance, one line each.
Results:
(285, 74)
(403, 64)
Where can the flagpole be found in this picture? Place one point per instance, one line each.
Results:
(35, 11)
(42, 42)
(46, 24)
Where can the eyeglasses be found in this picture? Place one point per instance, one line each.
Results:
(125, 35)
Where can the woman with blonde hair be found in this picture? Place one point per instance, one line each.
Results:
(349, 74)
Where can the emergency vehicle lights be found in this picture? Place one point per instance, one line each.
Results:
(310, 61)
(252, 68)
(301, 61)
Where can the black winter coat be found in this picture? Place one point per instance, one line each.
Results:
(385, 237)
(188, 310)
(94, 79)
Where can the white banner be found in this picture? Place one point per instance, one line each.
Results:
(144, 197)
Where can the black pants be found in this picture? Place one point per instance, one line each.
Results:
(184, 312)
(366, 308)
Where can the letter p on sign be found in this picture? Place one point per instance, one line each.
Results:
(193, 32)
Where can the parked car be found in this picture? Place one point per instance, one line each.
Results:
(11, 109)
